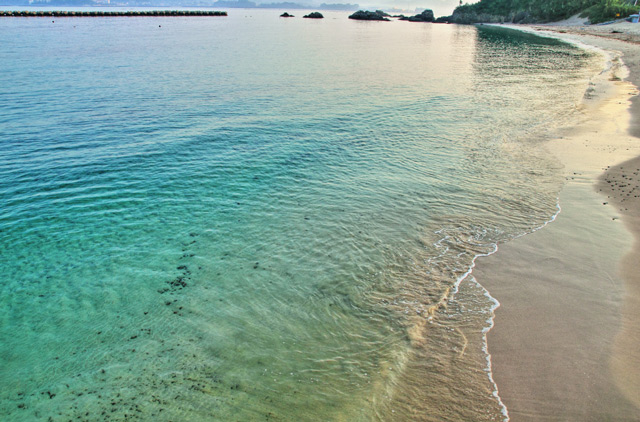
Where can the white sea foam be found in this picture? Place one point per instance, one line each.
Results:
(496, 304)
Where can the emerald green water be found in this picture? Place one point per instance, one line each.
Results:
(249, 218)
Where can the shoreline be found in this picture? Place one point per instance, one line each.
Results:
(564, 340)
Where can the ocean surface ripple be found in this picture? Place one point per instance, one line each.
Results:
(250, 218)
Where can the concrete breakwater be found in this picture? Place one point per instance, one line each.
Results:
(95, 13)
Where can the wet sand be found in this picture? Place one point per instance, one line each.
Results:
(566, 341)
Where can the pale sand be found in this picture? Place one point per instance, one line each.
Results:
(566, 340)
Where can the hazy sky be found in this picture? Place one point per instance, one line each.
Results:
(439, 7)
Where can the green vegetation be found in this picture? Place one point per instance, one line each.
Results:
(532, 11)
(607, 10)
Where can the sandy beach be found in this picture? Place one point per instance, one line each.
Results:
(564, 346)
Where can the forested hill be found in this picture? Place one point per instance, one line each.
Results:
(536, 11)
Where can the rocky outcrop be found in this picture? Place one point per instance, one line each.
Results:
(468, 15)
(443, 19)
(425, 16)
(286, 15)
(365, 15)
(314, 15)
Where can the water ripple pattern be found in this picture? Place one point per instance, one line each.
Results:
(251, 218)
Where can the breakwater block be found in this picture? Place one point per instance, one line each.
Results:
(97, 13)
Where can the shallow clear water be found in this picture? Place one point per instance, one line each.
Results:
(252, 218)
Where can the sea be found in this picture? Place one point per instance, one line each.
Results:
(256, 218)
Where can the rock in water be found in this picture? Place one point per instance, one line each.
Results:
(365, 15)
(286, 15)
(314, 15)
(425, 16)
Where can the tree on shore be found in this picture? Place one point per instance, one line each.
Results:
(536, 11)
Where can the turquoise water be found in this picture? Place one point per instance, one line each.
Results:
(251, 218)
